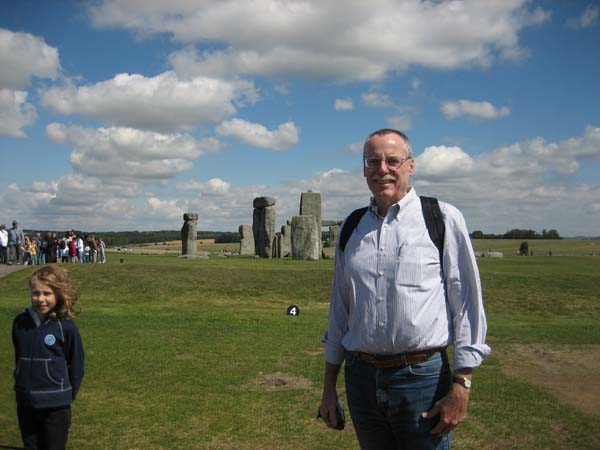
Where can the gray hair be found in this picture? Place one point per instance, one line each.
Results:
(385, 131)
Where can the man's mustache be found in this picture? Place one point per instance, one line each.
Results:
(383, 178)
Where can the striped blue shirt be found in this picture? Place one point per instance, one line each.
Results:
(390, 295)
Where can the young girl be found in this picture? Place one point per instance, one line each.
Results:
(49, 360)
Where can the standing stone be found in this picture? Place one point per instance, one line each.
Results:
(310, 204)
(255, 228)
(189, 233)
(263, 226)
(277, 246)
(305, 245)
(334, 233)
(246, 240)
(286, 240)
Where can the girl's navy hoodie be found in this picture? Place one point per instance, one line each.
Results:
(49, 361)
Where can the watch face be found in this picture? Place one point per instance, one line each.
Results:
(463, 382)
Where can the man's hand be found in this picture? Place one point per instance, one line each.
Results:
(328, 407)
(329, 402)
(452, 410)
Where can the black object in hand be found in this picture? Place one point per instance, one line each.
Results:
(339, 412)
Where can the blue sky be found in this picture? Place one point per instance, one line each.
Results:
(123, 115)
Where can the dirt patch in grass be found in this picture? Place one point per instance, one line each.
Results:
(569, 373)
(314, 351)
(279, 381)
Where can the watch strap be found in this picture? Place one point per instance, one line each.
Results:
(463, 381)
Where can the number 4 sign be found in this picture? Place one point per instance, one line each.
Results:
(293, 310)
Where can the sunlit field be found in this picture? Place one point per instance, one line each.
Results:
(200, 354)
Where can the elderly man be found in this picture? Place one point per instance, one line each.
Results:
(16, 238)
(397, 302)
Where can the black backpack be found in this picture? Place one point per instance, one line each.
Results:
(431, 213)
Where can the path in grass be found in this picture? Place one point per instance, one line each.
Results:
(5, 269)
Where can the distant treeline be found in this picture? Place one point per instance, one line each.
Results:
(124, 238)
(121, 238)
(517, 234)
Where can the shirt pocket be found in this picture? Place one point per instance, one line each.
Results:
(409, 266)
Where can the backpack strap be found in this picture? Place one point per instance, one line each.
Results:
(432, 214)
(350, 224)
(435, 222)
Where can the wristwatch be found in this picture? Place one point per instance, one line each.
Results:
(464, 382)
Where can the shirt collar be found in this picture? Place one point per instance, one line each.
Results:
(34, 316)
(395, 209)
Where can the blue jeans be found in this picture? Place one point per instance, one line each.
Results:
(386, 404)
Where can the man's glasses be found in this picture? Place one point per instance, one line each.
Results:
(393, 162)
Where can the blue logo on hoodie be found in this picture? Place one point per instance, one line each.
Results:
(49, 340)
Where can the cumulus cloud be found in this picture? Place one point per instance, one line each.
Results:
(510, 165)
(588, 18)
(343, 104)
(169, 209)
(257, 135)
(508, 185)
(214, 186)
(376, 99)
(127, 153)
(527, 184)
(23, 56)
(162, 103)
(362, 41)
(402, 122)
(442, 161)
(15, 113)
(475, 110)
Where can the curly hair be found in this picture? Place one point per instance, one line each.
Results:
(64, 290)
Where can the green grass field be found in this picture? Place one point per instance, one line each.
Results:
(200, 354)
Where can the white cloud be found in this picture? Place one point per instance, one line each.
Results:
(214, 186)
(415, 85)
(376, 99)
(356, 147)
(362, 41)
(441, 161)
(170, 210)
(401, 122)
(343, 104)
(56, 132)
(257, 135)
(476, 110)
(528, 184)
(44, 186)
(162, 103)
(127, 153)
(15, 113)
(282, 88)
(588, 18)
(23, 56)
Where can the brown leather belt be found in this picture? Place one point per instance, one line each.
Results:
(399, 360)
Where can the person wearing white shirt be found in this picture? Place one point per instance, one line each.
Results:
(3, 244)
(80, 249)
(396, 305)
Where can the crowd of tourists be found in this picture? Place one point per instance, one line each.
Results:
(17, 247)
